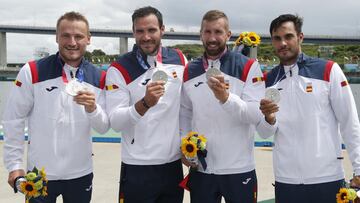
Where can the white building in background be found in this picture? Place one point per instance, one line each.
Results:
(41, 52)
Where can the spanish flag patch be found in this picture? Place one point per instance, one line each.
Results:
(18, 83)
(309, 87)
(257, 79)
(344, 83)
(111, 87)
(174, 74)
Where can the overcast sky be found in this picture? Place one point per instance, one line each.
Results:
(325, 17)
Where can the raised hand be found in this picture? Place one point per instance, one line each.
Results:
(218, 86)
(87, 99)
(13, 175)
(269, 108)
(154, 90)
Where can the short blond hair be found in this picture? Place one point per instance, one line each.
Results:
(73, 16)
(213, 15)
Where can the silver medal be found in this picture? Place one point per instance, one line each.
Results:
(272, 94)
(73, 87)
(212, 72)
(160, 76)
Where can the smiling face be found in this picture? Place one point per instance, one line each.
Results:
(287, 43)
(214, 35)
(72, 38)
(148, 33)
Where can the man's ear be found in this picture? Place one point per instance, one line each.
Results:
(162, 30)
(57, 38)
(89, 39)
(301, 37)
(228, 35)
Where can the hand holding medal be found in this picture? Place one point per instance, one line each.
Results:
(154, 90)
(212, 72)
(159, 75)
(217, 84)
(272, 94)
(268, 106)
(76, 84)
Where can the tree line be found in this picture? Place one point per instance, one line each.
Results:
(342, 54)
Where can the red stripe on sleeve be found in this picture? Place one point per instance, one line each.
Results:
(159, 55)
(327, 71)
(34, 72)
(246, 69)
(182, 59)
(186, 73)
(265, 75)
(123, 71)
(102, 79)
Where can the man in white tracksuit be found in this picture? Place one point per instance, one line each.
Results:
(147, 113)
(316, 109)
(59, 123)
(225, 109)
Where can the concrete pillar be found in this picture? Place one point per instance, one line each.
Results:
(123, 45)
(3, 62)
(253, 52)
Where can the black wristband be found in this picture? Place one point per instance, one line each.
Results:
(144, 103)
(15, 188)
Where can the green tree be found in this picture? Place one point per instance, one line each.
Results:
(98, 52)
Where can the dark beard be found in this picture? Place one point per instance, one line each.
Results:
(216, 52)
(153, 53)
(289, 60)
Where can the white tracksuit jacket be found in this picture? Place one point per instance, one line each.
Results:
(58, 128)
(154, 138)
(229, 127)
(316, 109)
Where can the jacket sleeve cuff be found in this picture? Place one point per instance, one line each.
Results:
(230, 102)
(14, 167)
(265, 129)
(95, 112)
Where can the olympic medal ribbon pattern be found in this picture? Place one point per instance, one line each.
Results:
(75, 84)
(273, 93)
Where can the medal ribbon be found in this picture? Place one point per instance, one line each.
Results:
(143, 63)
(205, 60)
(79, 74)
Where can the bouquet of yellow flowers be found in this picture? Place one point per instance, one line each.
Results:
(346, 195)
(245, 42)
(193, 146)
(33, 185)
(248, 39)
